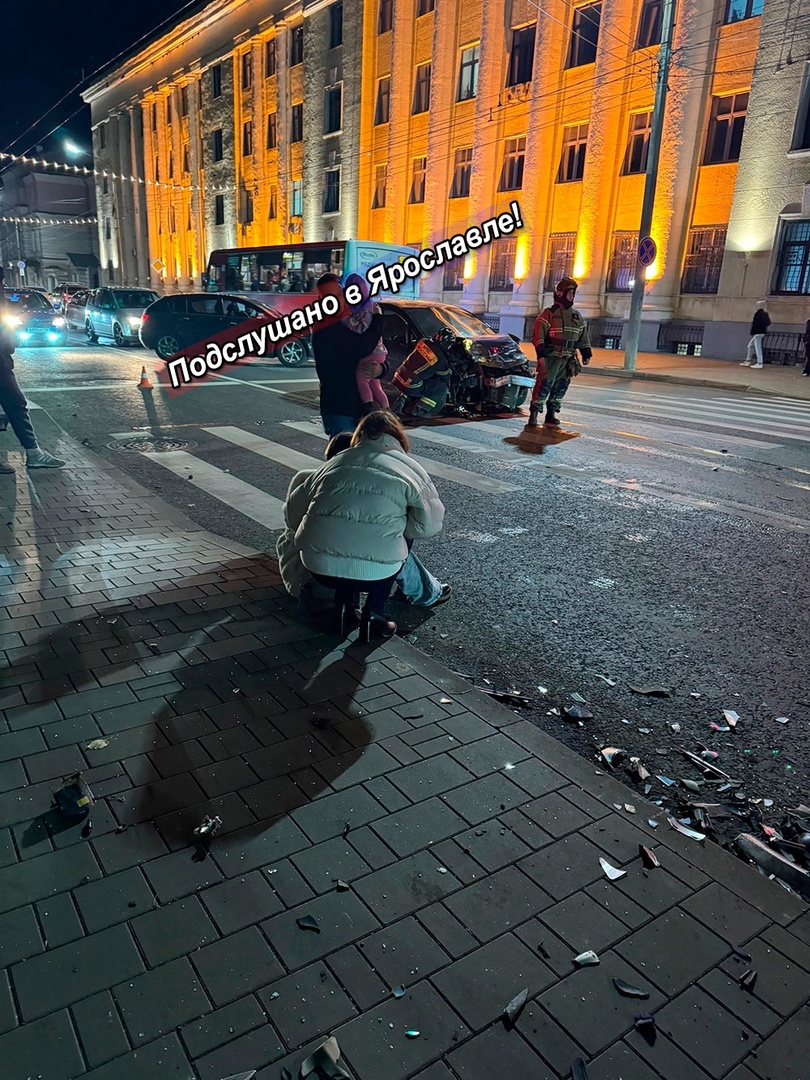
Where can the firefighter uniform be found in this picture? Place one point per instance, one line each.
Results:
(424, 378)
(559, 332)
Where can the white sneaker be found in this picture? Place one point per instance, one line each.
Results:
(41, 459)
(745, 363)
(756, 367)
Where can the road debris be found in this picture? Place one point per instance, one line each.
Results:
(782, 719)
(773, 864)
(209, 827)
(514, 1009)
(586, 959)
(74, 798)
(578, 1070)
(651, 691)
(612, 872)
(325, 1061)
(693, 834)
(648, 857)
(611, 755)
(97, 744)
(626, 990)
(577, 712)
(307, 922)
(398, 991)
(644, 1024)
(747, 979)
(605, 679)
(411, 1033)
(731, 718)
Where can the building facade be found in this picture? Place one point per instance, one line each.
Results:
(408, 120)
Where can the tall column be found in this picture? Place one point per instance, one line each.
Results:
(139, 218)
(401, 103)
(126, 229)
(283, 127)
(195, 170)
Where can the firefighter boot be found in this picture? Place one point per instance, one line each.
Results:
(533, 411)
(551, 419)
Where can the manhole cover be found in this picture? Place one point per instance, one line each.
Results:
(150, 445)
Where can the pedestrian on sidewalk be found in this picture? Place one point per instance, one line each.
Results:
(559, 333)
(337, 352)
(356, 517)
(806, 348)
(759, 328)
(12, 400)
(415, 582)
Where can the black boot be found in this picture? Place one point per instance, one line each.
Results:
(551, 419)
(532, 421)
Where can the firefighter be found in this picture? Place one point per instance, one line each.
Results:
(424, 376)
(559, 332)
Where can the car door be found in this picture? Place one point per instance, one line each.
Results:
(203, 319)
(399, 336)
(102, 311)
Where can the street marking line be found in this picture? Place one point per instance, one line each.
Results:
(273, 451)
(743, 400)
(247, 499)
(801, 434)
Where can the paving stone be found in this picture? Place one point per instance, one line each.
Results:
(178, 874)
(327, 816)
(405, 886)
(565, 866)
(726, 914)
(8, 853)
(356, 976)
(465, 727)
(366, 1041)
(27, 716)
(139, 844)
(246, 849)
(113, 721)
(454, 938)
(428, 778)
(789, 945)
(174, 930)
(328, 862)
(617, 903)
(673, 950)
(308, 1003)
(160, 1000)
(163, 1058)
(657, 890)
(80, 729)
(675, 864)
(12, 775)
(552, 950)
(439, 1071)
(485, 798)
(741, 1073)
(8, 1013)
(113, 899)
(404, 953)
(155, 800)
(19, 936)
(801, 928)
(48, 1047)
(384, 792)
(289, 886)
(411, 687)
(620, 1061)
(17, 744)
(93, 701)
(258, 1048)
(418, 826)
(490, 754)
(493, 846)
(100, 1029)
(356, 766)
(451, 856)
(548, 1039)
(401, 752)
(589, 1007)
(371, 848)
(713, 1036)
(241, 902)
(497, 1052)
(786, 1053)
(481, 984)
(781, 983)
(500, 902)
(39, 878)
(619, 839)
(223, 1025)
(68, 974)
(59, 920)
(341, 919)
(748, 1008)
(236, 965)
(583, 924)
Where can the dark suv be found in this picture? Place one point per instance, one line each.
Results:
(175, 323)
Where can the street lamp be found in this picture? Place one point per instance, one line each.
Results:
(71, 148)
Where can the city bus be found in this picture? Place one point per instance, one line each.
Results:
(295, 268)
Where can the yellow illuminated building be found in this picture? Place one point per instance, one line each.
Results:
(257, 122)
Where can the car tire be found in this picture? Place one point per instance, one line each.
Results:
(92, 336)
(166, 346)
(118, 337)
(292, 353)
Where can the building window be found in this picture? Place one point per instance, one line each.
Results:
(521, 56)
(219, 209)
(331, 191)
(272, 212)
(502, 266)
(560, 258)
(216, 140)
(649, 24)
(272, 131)
(157, 168)
(462, 167)
(336, 25)
(638, 144)
(296, 46)
(216, 81)
(514, 156)
(297, 198)
(421, 89)
(453, 280)
(726, 129)
(379, 187)
(154, 116)
(704, 260)
(184, 100)
(801, 130)
(793, 262)
(102, 137)
(107, 229)
(186, 162)
(622, 264)
(105, 186)
(333, 110)
(584, 36)
(247, 207)
(168, 112)
(297, 123)
(468, 73)
(424, 7)
(386, 18)
(737, 10)
(247, 70)
(247, 138)
(170, 170)
(382, 110)
(269, 58)
(572, 160)
(418, 171)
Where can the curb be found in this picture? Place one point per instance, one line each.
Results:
(685, 380)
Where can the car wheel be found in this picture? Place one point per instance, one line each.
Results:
(92, 336)
(167, 345)
(292, 353)
(118, 337)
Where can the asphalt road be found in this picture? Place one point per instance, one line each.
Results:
(662, 538)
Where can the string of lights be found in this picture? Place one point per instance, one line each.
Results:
(49, 221)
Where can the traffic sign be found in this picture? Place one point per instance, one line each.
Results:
(647, 251)
(158, 265)
(21, 265)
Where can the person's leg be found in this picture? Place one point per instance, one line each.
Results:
(540, 392)
(758, 339)
(377, 598)
(749, 354)
(15, 407)
(806, 359)
(556, 394)
(418, 585)
(335, 425)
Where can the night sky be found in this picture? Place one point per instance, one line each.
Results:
(43, 52)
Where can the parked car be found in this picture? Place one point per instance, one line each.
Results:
(32, 319)
(76, 310)
(115, 312)
(63, 293)
(175, 323)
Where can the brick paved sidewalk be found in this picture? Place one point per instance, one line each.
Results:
(469, 842)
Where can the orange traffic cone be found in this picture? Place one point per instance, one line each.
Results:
(144, 384)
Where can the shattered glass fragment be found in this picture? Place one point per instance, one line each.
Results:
(586, 959)
(208, 827)
(666, 781)
(767, 802)
(286, 1074)
(580, 700)
(653, 823)
(307, 922)
(605, 679)
(577, 712)
(648, 857)
(445, 701)
(644, 1024)
(675, 727)
(644, 731)
(626, 990)
(686, 831)
(514, 1008)
(412, 1034)
(731, 718)
(783, 719)
(611, 755)
(720, 727)
(398, 991)
(97, 744)
(629, 808)
(691, 785)
(651, 691)
(578, 1070)
(709, 755)
(612, 872)
(748, 978)
(342, 885)
(542, 690)
(324, 1062)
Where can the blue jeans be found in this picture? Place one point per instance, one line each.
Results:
(334, 425)
(417, 584)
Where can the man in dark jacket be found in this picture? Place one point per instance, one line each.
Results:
(759, 328)
(337, 351)
(806, 348)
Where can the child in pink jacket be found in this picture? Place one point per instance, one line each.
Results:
(370, 368)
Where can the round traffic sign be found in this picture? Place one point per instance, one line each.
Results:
(647, 251)
(21, 265)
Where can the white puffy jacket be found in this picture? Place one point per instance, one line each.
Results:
(352, 516)
(294, 575)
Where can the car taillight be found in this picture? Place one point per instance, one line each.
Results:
(144, 317)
